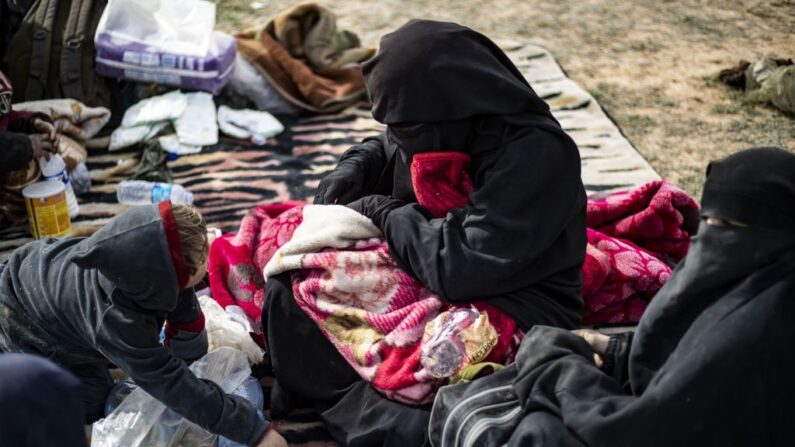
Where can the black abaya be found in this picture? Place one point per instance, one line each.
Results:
(520, 242)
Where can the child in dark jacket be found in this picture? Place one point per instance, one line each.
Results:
(84, 302)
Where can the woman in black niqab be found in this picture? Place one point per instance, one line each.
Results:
(711, 362)
(519, 243)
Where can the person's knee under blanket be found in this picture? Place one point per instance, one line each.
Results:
(308, 366)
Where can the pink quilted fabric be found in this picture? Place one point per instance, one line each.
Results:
(375, 313)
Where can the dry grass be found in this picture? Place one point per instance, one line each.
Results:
(651, 63)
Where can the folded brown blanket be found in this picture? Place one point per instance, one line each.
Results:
(309, 32)
(301, 53)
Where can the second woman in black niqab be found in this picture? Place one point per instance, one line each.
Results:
(518, 244)
(711, 362)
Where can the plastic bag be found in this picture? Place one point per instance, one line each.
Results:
(197, 125)
(223, 330)
(250, 389)
(141, 420)
(454, 339)
(157, 108)
(181, 27)
(248, 124)
(247, 82)
(80, 179)
(127, 136)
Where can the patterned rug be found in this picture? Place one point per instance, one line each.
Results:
(232, 177)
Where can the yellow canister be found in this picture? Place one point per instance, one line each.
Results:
(47, 210)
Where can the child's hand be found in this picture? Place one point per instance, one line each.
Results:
(45, 128)
(42, 145)
(273, 439)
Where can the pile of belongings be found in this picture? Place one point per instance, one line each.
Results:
(769, 80)
(174, 124)
(302, 55)
(299, 61)
(77, 126)
(185, 122)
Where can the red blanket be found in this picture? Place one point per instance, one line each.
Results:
(634, 238)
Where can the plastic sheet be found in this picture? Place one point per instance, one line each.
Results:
(224, 329)
(141, 420)
(183, 27)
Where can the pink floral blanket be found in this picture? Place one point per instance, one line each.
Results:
(375, 314)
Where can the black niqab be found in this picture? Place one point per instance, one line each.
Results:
(724, 260)
(711, 362)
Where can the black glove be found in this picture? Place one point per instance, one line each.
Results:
(343, 185)
(376, 207)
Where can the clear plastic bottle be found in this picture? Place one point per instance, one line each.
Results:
(443, 352)
(54, 169)
(80, 179)
(139, 192)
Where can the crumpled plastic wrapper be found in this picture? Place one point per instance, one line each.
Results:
(455, 339)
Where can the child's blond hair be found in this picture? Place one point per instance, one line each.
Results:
(192, 236)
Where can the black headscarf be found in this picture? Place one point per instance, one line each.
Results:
(440, 86)
(520, 242)
(429, 71)
(431, 79)
(711, 362)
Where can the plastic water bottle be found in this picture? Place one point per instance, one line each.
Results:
(139, 192)
(80, 179)
(54, 169)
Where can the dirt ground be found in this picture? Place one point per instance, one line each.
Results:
(652, 64)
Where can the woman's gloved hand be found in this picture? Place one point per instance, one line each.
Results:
(343, 185)
(376, 207)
